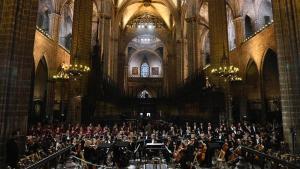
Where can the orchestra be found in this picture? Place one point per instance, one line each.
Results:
(186, 146)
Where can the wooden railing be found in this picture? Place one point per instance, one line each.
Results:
(47, 160)
(263, 159)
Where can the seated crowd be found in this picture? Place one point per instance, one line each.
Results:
(184, 144)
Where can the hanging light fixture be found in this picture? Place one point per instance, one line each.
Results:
(61, 75)
(229, 73)
(75, 70)
(226, 71)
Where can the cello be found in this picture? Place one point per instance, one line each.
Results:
(178, 154)
(222, 153)
(235, 155)
(202, 152)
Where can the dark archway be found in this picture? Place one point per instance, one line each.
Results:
(253, 92)
(271, 87)
(40, 91)
(144, 94)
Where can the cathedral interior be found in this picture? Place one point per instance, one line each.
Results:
(225, 70)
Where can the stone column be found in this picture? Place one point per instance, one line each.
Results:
(82, 27)
(239, 30)
(192, 44)
(17, 31)
(125, 86)
(121, 73)
(185, 59)
(287, 27)
(54, 26)
(106, 44)
(180, 61)
(81, 53)
(219, 46)
(218, 31)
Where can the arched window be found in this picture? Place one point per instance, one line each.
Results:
(267, 19)
(68, 41)
(43, 20)
(248, 26)
(145, 69)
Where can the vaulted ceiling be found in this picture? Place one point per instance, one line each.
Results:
(163, 9)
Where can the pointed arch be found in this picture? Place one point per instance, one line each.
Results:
(40, 90)
(230, 28)
(253, 90)
(144, 94)
(45, 8)
(271, 86)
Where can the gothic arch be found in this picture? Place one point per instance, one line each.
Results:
(264, 13)
(153, 58)
(230, 28)
(150, 90)
(40, 89)
(124, 5)
(144, 94)
(270, 84)
(253, 90)
(66, 24)
(233, 5)
(129, 36)
(46, 7)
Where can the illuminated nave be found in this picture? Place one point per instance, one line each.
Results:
(150, 84)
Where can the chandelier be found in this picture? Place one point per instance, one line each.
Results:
(61, 75)
(146, 21)
(226, 71)
(75, 70)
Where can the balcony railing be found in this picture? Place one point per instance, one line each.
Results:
(263, 160)
(46, 161)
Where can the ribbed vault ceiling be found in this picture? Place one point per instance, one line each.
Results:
(160, 8)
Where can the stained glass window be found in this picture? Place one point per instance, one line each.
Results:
(145, 70)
